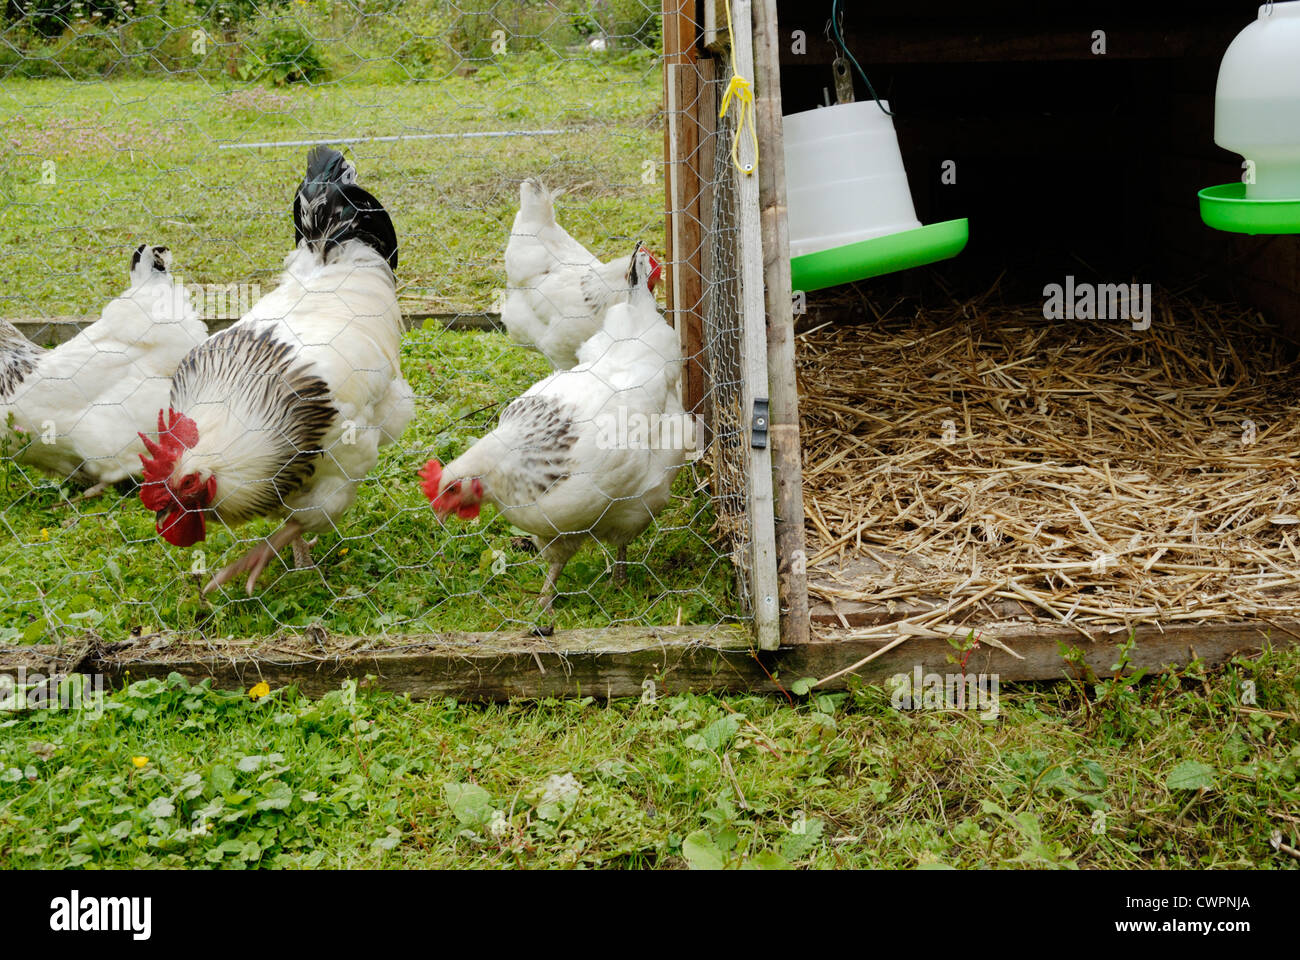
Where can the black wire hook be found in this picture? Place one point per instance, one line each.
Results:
(835, 24)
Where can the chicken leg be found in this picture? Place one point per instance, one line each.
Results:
(90, 493)
(620, 567)
(548, 589)
(302, 553)
(255, 560)
(556, 553)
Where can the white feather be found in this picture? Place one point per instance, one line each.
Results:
(87, 399)
(613, 483)
(557, 290)
(343, 325)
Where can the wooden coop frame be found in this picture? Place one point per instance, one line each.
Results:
(1267, 276)
(791, 639)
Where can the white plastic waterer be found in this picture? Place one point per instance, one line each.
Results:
(844, 174)
(1257, 101)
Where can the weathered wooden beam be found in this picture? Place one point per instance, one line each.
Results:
(764, 581)
(713, 28)
(604, 662)
(618, 661)
(782, 383)
(984, 34)
(1037, 651)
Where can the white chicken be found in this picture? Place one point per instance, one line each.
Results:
(557, 290)
(587, 453)
(79, 405)
(284, 413)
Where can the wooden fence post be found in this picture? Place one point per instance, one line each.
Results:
(683, 186)
(786, 455)
(764, 577)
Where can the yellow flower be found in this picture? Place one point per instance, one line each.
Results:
(260, 690)
(343, 551)
(45, 534)
(140, 762)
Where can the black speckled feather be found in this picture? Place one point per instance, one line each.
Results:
(546, 435)
(18, 358)
(330, 208)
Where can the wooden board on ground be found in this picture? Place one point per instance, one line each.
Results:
(618, 661)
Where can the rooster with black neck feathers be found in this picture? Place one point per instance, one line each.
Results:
(283, 414)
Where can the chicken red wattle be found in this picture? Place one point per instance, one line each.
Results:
(455, 499)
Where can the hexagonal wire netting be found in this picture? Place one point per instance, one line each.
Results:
(188, 125)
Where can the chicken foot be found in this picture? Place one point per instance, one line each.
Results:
(255, 561)
(90, 493)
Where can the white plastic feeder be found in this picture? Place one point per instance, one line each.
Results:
(844, 177)
(849, 207)
(1257, 102)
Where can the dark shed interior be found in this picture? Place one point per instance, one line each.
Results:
(1067, 160)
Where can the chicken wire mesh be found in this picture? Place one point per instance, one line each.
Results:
(724, 350)
(133, 127)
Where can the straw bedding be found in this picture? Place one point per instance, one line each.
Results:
(979, 463)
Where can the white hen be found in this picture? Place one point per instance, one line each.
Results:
(284, 413)
(80, 405)
(587, 453)
(558, 291)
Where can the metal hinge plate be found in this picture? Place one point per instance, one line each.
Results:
(758, 428)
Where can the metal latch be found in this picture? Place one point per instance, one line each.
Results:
(758, 429)
(843, 81)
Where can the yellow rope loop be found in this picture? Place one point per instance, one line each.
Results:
(743, 91)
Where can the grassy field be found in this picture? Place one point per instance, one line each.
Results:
(1178, 771)
(1173, 772)
(142, 160)
(89, 170)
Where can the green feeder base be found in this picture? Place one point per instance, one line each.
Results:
(1225, 207)
(878, 256)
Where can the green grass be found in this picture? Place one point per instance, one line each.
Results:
(139, 159)
(360, 778)
(390, 569)
(1172, 772)
(142, 160)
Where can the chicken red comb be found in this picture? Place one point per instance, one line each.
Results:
(656, 271)
(175, 433)
(431, 474)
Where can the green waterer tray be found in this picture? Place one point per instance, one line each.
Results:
(1225, 207)
(878, 256)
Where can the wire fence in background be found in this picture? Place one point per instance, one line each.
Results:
(187, 126)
